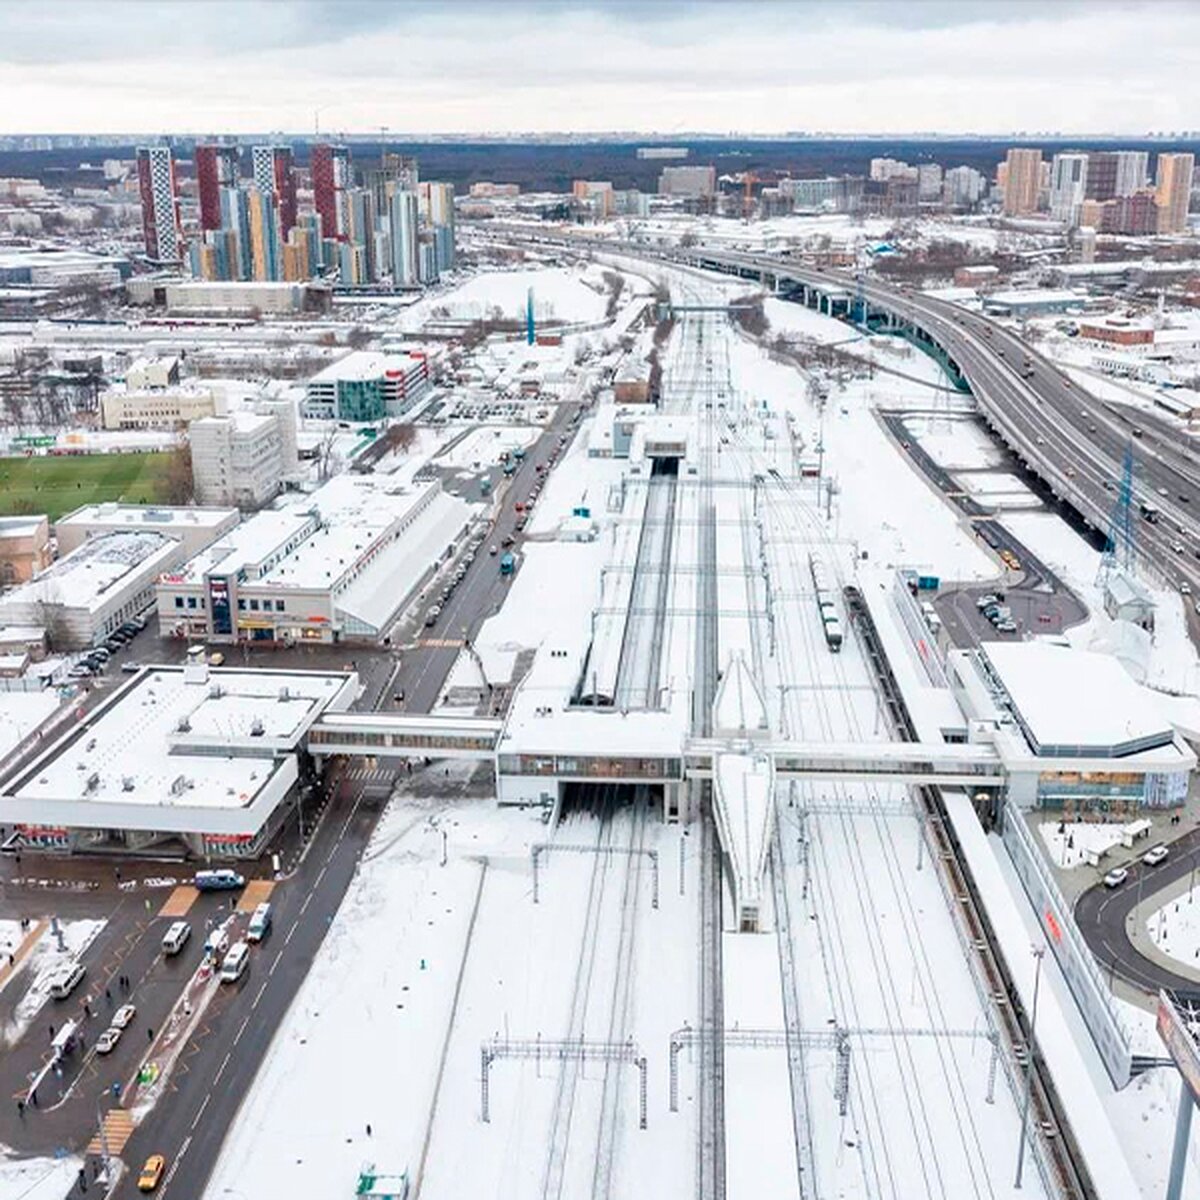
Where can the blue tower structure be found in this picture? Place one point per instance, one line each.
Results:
(1119, 541)
(530, 330)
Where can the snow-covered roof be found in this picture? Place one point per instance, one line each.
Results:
(177, 738)
(85, 577)
(745, 786)
(364, 365)
(738, 710)
(124, 516)
(1075, 703)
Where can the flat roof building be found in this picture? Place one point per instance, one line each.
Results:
(368, 386)
(88, 593)
(207, 758)
(1070, 726)
(195, 527)
(243, 458)
(340, 565)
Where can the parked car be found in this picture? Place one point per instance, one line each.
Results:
(1116, 877)
(130, 668)
(1155, 855)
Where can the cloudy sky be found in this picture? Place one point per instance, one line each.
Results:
(769, 66)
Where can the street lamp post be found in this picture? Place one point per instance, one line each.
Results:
(1038, 954)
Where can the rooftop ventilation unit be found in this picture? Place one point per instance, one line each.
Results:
(216, 692)
(184, 726)
(127, 783)
(284, 694)
(256, 727)
(179, 785)
(93, 782)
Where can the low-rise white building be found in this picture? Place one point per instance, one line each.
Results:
(88, 593)
(168, 408)
(341, 564)
(193, 526)
(209, 759)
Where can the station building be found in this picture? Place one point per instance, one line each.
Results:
(1070, 726)
(180, 757)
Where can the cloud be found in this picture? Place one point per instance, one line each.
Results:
(537, 65)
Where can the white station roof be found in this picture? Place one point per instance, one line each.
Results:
(1074, 703)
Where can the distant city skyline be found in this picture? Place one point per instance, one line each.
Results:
(535, 66)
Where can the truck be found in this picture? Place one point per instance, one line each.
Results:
(508, 564)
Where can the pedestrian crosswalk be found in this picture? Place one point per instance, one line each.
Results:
(370, 775)
(115, 1130)
(179, 901)
(441, 643)
(255, 893)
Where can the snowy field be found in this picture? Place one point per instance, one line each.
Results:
(560, 294)
(484, 445)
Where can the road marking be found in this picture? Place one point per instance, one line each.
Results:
(317, 882)
(241, 1031)
(200, 1111)
(289, 935)
(278, 956)
(258, 997)
(179, 902)
(254, 893)
(224, 1064)
(304, 906)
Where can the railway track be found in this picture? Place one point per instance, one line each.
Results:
(620, 1007)
(568, 1077)
(1060, 1157)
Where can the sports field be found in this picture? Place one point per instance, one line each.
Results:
(55, 486)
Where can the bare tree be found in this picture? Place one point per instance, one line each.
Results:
(178, 484)
(327, 460)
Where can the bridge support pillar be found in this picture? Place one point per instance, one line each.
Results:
(1183, 1130)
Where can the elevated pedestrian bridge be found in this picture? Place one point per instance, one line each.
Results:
(402, 735)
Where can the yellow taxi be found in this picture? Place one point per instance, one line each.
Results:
(151, 1174)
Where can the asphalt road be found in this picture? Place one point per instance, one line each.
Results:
(1101, 914)
(216, 1070)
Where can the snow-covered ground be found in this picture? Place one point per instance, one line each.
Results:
(1175, 928)
(40, 966)
(1070, 843)
(441, 959)
(38, 1178)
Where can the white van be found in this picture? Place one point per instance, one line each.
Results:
(176, 938)
(66, 981)
(236, 961)
(260, 923)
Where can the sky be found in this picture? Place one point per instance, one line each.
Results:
(582, 66)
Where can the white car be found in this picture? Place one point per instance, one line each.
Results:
(123, 1016)
(1155, 855)
(108, 1040)
(1116, 877)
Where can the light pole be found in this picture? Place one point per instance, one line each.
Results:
(1038, 954)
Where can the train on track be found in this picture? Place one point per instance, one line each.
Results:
(831, 623)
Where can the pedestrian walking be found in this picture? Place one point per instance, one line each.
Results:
(368, 1130)
(108, 995)
(33, 1098)
(87, 1008)
(12, 959)
(52, 1032)
(21, 1109)
(150, 1035)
